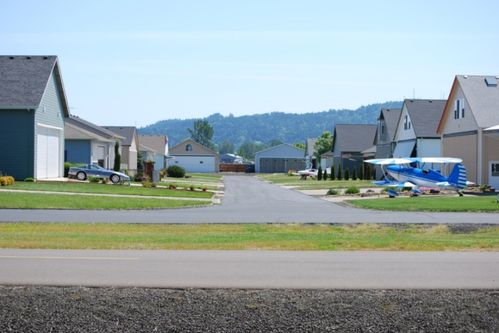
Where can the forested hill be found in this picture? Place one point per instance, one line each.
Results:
(285, 127)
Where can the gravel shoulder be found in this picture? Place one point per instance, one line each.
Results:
(78, 309)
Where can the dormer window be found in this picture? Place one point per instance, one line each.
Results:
(188, 147)
(407, 123)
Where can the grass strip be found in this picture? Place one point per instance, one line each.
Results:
(248, 237)
(310, 184)
(61, 201)
(431, 204)
(106, 189)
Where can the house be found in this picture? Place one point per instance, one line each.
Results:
(280, 158)
(416, 132)
(154, 148)
(469, 126)
(33, 108)
(327, 160)
(129, 147)
(310, 158)
(349, 141)
(88, 143)
(385, 133)
(194, 157)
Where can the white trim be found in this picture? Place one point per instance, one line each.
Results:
(49, 126)
(490, 174)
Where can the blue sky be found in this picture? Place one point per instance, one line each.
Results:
(137, 62)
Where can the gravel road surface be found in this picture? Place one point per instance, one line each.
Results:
(79, 309)
(250, 200)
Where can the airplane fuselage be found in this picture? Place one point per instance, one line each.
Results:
(417, 176)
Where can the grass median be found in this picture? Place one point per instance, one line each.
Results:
(64, 201)
(249, 237)
(313, 184)
(431, 204)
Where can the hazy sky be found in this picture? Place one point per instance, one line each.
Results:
(137, 62)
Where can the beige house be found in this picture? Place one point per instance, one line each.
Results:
(129, 147)
(470, 127)
(194, 157)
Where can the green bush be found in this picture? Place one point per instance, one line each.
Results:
(319, 174)
(352, 190)
(333, 174)
(347, 174)
(340, 174)
(354, 175)
(29, 180)
(361, 173)
(332, 191)
(148, 184)
(324, 176)
(175, 171)
(93, 179)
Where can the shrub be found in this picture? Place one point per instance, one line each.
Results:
(352, 190)
(6, 181)
(172, 187)
(354, 175)
(332, 191)
(319, 174)
(191, 188)
(347, 174)
(162, 173)
(93, 179)
(361, 173)
(148, 184)
(29, 180)
(104, 180)
(340, 174)
(204, 189)
(324, 176)
(175, 171)
(333, 174)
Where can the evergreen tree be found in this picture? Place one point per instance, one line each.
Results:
(347, 174)
(368, 172)
(340, 173)
(117, 157)
(354, 174)
(361, 172)
(324, 176)
(333, 174)
(319, 174)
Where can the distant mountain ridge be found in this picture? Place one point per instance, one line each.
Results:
(286, 127)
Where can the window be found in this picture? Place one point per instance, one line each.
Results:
(382, 128)
(407, 123)
(494, 169)
(462, 108)
(188, 147)
(459, 108)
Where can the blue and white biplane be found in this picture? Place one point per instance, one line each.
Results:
(416, 172)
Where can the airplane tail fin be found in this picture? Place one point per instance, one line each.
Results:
(457, 177)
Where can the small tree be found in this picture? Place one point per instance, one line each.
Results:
(347, 174)
(333, 175)
(117, 157)
(324, 176)
(340, 173)
(354, 174)
(361, 172)
(368, 172)
(319, 174)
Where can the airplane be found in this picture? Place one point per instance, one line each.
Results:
(401, 172)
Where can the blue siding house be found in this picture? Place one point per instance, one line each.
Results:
(89, 143)
(33, 107)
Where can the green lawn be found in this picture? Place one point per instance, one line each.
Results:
(106, 189)
(311, 184)
(61, 201)
(432, 204)
(246, 237)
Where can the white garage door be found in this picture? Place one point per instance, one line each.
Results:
(47, 157)
(195, 163)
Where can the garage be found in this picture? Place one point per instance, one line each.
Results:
(281, 158)
(202, 164)
(48, 152)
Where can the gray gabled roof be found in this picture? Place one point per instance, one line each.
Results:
(425, 115)
(156, 143)
(88, 126)
(353, 137)
(483, 99)
(391, 117)
(127, 132)
(23, 80)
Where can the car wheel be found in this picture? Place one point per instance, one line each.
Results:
(81, 175)
(115, 179)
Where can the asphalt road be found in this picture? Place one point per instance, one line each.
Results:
(248, 199)
(251, 269)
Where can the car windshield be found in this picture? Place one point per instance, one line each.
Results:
(96, 167)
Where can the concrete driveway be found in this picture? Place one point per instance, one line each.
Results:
(250, 200)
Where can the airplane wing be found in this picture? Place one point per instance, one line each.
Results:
(388, 161)
(441, 160)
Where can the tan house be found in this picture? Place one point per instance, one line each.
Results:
(129, 147)
(469, 126)
(194, 157)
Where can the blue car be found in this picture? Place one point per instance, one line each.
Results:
(93, 170)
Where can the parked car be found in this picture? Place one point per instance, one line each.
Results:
(85, 171)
